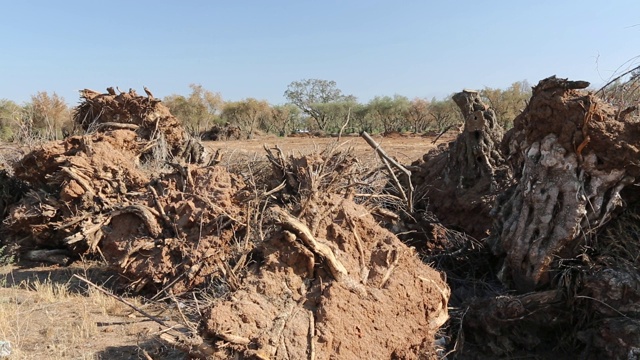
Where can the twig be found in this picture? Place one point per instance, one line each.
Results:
(116, 126)
(390, 267)
(194, 345)
(146, 354)
(99, 288)
(234, 339)
(617, 78)
(442, 133)
(83, 183)
(312, 336)
(345, 124)
(395, 179)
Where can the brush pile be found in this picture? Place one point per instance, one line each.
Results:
(296, 268)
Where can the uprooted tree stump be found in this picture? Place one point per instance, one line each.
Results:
(332, 283)
(151, 121)
(459, 183)
(573, 156)
(565, 244)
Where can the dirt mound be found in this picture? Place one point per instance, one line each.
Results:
(115, 194)
(332, 283)
(151, 121)
(92, 197)
(459, 182)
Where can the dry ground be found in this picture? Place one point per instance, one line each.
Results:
(48, 314)
(405, 149)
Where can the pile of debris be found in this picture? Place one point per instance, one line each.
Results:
(561, 274)
(116, 194)
(222, 133)
(306, 271)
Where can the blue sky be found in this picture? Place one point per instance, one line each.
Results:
(256, 48)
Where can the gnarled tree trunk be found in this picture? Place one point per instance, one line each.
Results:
(459, 184)
(573, 156)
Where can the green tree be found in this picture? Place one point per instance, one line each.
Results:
(285, 118)
(198, 111)
(11, 117)
(48, 114)
(444, 113)
(508, 103)
(389, 112)
(418, 114)
(311, 96)
(336, 113)
(248, 114)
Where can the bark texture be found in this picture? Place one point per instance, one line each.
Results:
(459, 183)
(562, 150)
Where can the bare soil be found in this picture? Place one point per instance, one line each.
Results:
(405, 148)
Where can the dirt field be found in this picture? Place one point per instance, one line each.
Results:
(46, 313)
(405, 149)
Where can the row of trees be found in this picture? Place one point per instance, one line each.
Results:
(313, 105)
(319, 105)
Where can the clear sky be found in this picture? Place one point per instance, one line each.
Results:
(256, 48)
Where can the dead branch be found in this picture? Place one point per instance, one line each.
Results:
(77, 177)
(345, 124)
(397, 165)
(442, 133)
(116, 126)
(193, 344)
(145, 213)
(54, 256)
(122, 300)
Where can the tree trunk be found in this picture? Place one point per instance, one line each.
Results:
(573, 157)
(460, 184)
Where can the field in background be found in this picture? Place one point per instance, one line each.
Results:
(405, 149)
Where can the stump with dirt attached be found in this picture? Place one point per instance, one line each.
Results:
(114, 193)
(330, 280)
(459, 183)
(564, 243)
(162, 132)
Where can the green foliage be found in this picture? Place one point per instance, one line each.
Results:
(418, 115)
(390, 113)
(315, 98)
(507, 103)
(625, 91)
(286, 118)
(10, 117)
(198, 111)
(48, 115)
(249, 114)
(444, 113)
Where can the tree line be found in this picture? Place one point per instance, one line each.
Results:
(313, 105)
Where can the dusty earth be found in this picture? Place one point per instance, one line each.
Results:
(46, 313)
(405, 148)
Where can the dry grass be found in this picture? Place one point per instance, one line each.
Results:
(54, 319)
